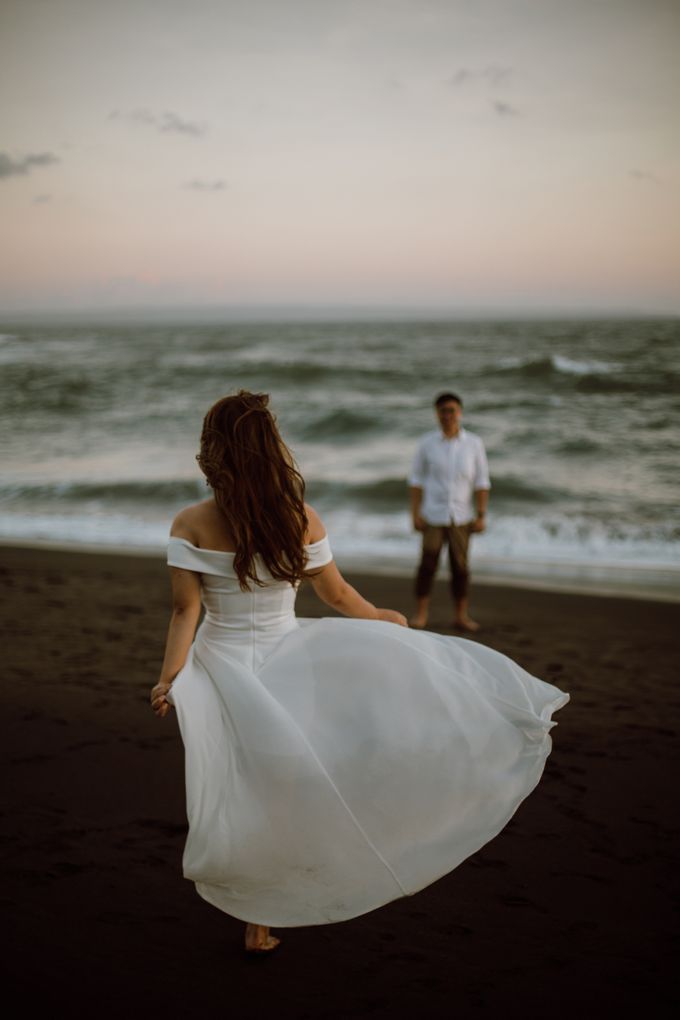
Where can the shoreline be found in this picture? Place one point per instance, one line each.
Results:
(649, 584)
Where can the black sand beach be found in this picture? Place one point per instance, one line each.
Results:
(568, 912)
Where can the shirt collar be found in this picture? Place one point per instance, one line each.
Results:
(446, 439)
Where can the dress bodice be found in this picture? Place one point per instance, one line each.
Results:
(251, 622)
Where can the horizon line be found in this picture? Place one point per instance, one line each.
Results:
(348, 311)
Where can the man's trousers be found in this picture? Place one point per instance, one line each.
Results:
(457, 537)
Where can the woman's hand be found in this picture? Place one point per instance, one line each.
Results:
(392, 616)
(159, 701)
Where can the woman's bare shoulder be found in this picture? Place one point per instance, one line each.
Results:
(188, 521)
(316, 529)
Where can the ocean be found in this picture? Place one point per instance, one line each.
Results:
(100, 427)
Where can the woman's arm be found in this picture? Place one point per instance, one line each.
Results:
(186, 610)
(331, 587)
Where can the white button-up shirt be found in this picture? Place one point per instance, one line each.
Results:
(449, 471)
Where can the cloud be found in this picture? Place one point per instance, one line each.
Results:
(643, 175)
(504, 109)
(493, 75)
(19, 167)
(483, 80)
(167, 122)
(141, 116)
(205, 185)
(171, 122)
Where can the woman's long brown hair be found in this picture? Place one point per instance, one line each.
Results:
(257, 487)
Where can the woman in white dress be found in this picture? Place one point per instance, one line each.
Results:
(332, 765)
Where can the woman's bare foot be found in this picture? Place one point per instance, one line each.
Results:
(258, 939)
(418, 622)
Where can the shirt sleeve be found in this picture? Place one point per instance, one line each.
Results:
(418, 468)
(482, 480)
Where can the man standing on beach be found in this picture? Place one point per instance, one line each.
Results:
(449, 472)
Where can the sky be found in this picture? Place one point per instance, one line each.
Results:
(487, 154)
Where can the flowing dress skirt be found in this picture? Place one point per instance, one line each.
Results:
(359, 762)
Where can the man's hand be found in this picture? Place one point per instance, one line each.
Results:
(419, 523)
(478, 525)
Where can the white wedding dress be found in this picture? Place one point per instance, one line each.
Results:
(333, 765)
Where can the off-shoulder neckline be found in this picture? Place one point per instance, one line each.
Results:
(231, 552)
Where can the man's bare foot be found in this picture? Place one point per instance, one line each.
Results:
(419, 619)
(466, 624)
(258, 939)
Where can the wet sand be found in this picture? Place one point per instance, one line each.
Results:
(568, 912)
